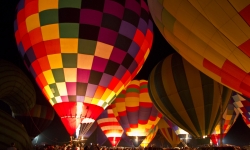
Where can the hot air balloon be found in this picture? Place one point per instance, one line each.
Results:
(214, 36)
(242, 103)
(135, 111)
(182, 134)
(186, 96)
(149, 137)
(168, 133)
(37, 119)
(227, 121)
(16, 89)
(83, 53)
(13, 131)
(110, 126)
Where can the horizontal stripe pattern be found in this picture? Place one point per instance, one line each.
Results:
(110, 126)
(134, 109)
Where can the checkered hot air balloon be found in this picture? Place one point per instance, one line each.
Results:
(135, 111)
(228, 119)
(82, 53)
(110, 126)
(186, 96)
(214, 36)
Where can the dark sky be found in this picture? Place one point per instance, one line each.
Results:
(238, 135)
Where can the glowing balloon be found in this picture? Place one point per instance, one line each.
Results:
(228, 119)
(183, 135)
(110, 126)
(186, 96)
(214, 36)
(149, 137)
(168, 133)
(83, 53)
(135, 111)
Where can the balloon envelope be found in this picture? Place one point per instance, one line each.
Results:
(214, 36)
(228, 119)
(168, 133)
(135, 111)
(82, 53)
(149, 137)
(242, 103)
(110, 126)
(13, 131)
(37, 119)
(16, 89)
(183, 135)
(186, 96)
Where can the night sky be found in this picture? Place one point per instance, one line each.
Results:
(238, 135)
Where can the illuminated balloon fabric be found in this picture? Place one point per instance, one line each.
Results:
(149, 137)
(214, 36)
(15, 88)
(37, 119)
(83, 53)
(186, 96)
(229, 118)
(110, 126)
(168, 133)
(135, 111)
(178, 131)
(242, 103)
(13, 131)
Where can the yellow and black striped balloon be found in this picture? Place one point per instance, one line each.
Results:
(186, 96)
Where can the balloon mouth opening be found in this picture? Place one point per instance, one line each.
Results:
(84, 119)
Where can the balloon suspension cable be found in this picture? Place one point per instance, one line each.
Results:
(85, 126)
(84, 129)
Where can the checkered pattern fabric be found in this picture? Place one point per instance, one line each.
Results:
(83, 51)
